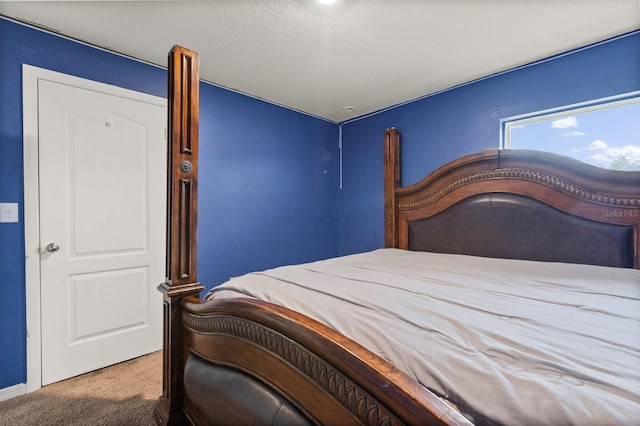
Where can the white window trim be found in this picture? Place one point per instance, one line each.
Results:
(611, 102)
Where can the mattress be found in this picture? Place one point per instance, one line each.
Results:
(506, 341)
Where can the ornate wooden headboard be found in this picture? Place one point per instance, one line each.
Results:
(518, 204)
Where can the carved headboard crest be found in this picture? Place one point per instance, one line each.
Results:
(602, 206)
(611, 200)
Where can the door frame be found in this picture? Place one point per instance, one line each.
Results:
(30, 77)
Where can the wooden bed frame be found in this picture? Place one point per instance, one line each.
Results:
(241, 360)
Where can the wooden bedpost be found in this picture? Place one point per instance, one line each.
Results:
(182, 197)
(392, 180)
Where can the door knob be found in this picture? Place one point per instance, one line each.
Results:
(52, 247)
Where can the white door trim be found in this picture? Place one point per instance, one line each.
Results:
(30, 77)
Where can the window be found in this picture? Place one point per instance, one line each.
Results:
(604, 133)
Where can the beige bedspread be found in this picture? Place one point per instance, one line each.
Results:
(511, 342)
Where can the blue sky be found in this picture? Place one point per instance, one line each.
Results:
(602, 137)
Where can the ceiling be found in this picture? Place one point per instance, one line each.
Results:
(343, 60)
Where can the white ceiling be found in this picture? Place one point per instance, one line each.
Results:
(366, 54)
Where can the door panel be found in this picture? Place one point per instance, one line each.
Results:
(91, 297)
(109, 153)
(102, 179)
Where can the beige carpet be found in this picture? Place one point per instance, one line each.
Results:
(123, 394)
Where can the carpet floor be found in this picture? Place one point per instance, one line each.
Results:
(123, 394)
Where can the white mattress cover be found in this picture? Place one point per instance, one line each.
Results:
(515, 342)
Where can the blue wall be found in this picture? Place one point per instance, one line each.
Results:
(439, 128)
(268, 184)
(287, 160)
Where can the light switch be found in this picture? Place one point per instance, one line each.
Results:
(8, 212)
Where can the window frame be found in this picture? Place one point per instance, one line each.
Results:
(506, 124)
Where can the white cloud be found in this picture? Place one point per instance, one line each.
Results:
(564, 123)
(574, 133)
(630, 153)
(597, 144)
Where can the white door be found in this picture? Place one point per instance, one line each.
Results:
(102, 180)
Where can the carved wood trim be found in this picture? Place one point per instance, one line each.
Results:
(392, 180)
(185, 225)
(579, 189)
(611, 200)
(352, 397)
(168, 409)
(183, 115)
(181, 249)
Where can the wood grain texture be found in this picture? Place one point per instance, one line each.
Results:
(182, 215)
(392, 181)
(183, 115)
(568, 185)
(331, 378)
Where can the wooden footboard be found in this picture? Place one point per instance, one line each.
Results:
(327, 377)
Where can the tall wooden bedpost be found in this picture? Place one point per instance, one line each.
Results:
(392, 180)
(182, 186)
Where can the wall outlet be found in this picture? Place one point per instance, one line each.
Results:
(8, 212)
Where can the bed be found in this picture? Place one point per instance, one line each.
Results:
(543, 257)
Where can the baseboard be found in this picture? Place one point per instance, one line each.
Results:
(13, 391)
